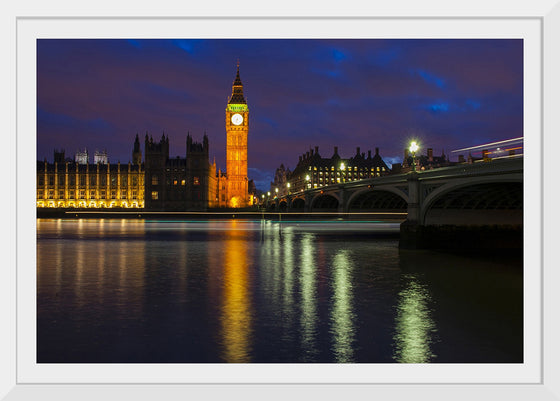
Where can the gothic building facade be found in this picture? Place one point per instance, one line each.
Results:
(160, 182)
(192, 183)
(80, 184)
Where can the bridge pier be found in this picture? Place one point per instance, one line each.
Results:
(474, 239)
(307, 206)
(411, 229)
(411, 236)
(413, 209)
(343, 203)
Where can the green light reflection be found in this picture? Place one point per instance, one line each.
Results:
(288, 282)
(342, 316)
(308, 283)
(414, 325)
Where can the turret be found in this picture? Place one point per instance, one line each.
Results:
(136, 153)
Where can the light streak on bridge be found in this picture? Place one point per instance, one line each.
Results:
(497, 150)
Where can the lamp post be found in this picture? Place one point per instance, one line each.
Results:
(307, 178)
(276, 190)
(288, 185)
(413, 148)
(342, 169)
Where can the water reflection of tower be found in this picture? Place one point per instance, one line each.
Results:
(236, 316)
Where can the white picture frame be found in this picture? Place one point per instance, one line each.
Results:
(17, 202)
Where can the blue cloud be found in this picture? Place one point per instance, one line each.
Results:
(390, 160)
(431, 78)
(338, 55)
(473, 104)
(261, 178)
(269, 121)
(439, 107)
(384, 57)
(326, 72)
(135, 42)
(188, 45)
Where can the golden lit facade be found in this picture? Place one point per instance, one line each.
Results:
(73, 185)
(237, 130)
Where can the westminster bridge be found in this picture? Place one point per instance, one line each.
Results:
(478, 194)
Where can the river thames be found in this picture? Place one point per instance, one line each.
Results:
(252, 291)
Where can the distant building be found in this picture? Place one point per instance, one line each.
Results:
(315, 171)
(423, 162)
(281, 178)
(81, 157)
(101, 157)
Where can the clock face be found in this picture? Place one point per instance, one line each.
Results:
(237, 119)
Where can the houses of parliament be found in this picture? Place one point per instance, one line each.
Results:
(159, 182)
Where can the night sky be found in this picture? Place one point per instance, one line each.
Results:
(446, 94)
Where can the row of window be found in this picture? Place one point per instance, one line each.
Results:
(90, 204)
(318, 180)
(349, 176)
(82, 195)
(82, 180)
(348, 168)
(175, 181)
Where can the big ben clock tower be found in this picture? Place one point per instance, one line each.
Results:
(237, 129)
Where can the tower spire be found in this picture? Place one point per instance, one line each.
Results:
(237, 90)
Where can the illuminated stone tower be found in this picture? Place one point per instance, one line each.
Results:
(237, 129)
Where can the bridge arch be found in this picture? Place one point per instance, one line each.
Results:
(479, 201)
(283, 205)
(388, 198)
(298, 204)
(387, 188)
(325, 201)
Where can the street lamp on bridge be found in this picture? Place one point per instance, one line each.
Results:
(413, 148)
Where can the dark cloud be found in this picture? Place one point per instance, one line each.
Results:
(448, 94)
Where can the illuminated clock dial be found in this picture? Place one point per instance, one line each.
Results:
(237, 119)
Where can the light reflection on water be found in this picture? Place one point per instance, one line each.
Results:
(415, 328)
(254, 291)
(236, 312)
(308, 285)
(343, 315)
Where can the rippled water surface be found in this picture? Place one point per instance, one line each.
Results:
(252, 291)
